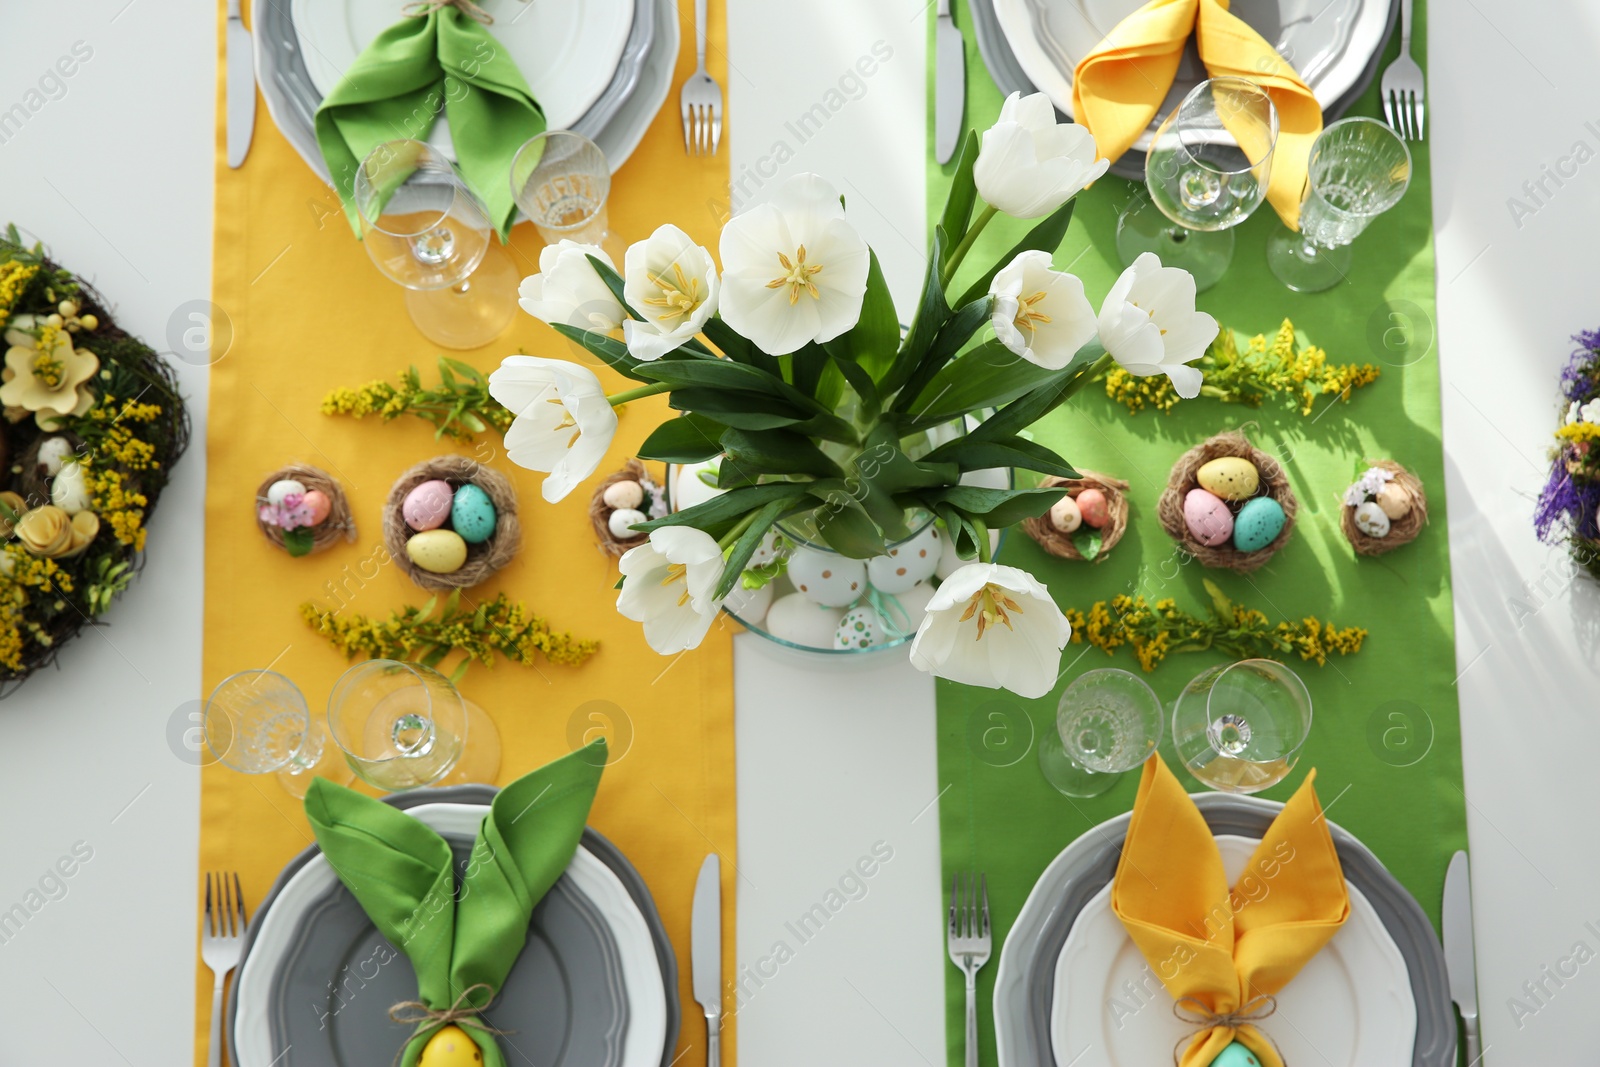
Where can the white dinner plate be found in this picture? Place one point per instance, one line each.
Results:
(1350, 1006)
(1329, 42)
(641, 970)
(566, 49)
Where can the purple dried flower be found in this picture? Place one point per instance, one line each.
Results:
(1578, 380)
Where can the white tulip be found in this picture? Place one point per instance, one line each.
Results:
(667, 584)
(995, 627)
(672, 282)
(1149, 325)
(563, 425)
(1039, 313)
(568, 291)
(793, 270)
(1029, 164)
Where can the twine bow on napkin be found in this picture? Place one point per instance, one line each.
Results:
(1223, 954)
(1119, 86)
(402, 874)
(416, 9)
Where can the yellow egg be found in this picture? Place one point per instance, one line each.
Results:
(1395, 500)
(1230, 477)
(450, 1047)
(439, 551)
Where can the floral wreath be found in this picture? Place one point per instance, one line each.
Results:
(93, 424)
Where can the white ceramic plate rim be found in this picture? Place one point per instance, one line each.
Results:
(1386, 1015)
(567, 49)
(1329, 81)
(641, 970)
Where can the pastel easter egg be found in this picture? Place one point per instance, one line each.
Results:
(69, 490)
(799, 620)
(1207, 518)
(427, 506)
(1095, 507)
(450, 1047)
(317, 506)
(472, 514)
(749, 605)
(1371, 520)
(906, 564)
(53, 452)
(1065, 515)
(857, 630)
(765, 552)
(282, 488)
(621, 521)
(1236, 1055)
(827, 579)
(438, 551)
(624, 494)
(695, 484)
(1395, 500)
(1257, 524)
(1229, 477)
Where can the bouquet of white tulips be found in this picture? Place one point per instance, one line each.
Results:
(793, 369)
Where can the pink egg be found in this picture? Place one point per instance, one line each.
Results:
(427, 506)
(1207, 517)
(1096, 510)
(317, 505)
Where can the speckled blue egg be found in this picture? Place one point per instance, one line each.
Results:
(1258, 522)
(472, 514)
(1236, 1055)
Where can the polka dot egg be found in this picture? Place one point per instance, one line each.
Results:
(826, 579)
(1236, 1055)
(906, 564)
(858, 629)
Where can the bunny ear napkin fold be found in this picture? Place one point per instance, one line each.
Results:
(463, 945)
(1220, 956)
(1119, 86)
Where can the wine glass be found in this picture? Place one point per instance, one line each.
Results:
(404, 725)
(1107, 723)
(1207, 169)
(1358, 169)
(423, 229)
(1239, 727)
(257, 722)
(560, 180)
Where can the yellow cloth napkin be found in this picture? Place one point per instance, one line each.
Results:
(1118, 87)
(1219, 949)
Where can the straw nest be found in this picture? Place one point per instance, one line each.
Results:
(1402, 531)
(1274, 483)
(1053, 541)
(600, 511)
(484, 559)
(338, 526)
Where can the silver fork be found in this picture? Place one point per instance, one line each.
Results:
(221, 939)
(701, 99)
(1402, 85)
(970, 944)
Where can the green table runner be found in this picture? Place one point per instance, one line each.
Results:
(1386, 735)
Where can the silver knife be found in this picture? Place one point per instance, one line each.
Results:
(241, 99)
(1460, 962)
(705, 953)
(949, 85)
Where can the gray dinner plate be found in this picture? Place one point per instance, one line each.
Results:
(1009, 77)
(563, 999)
(1034, 945)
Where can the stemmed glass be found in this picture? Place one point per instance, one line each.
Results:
(404, 725)
(560, 180)
(1107, 723)
(1358, 169)
(426, 231)
(1239, 727)
(1207, 169)
(257, 722)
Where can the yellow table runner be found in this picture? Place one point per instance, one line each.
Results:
(309, 312)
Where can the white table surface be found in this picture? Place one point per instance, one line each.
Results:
(115, 169)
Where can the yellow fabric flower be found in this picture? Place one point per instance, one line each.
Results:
(44, 374)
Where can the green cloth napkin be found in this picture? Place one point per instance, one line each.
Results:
(396, 88)
(400, 871)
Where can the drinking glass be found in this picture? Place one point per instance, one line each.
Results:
(1239, 727)
(423, 229)
(1358, 169)
(1206, 170)
(1108, 722)
(404, 725)
(257, 722)
(560, 180)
